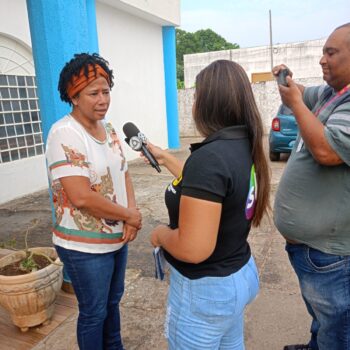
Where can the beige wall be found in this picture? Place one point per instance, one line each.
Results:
(266, 96)
(302, 58)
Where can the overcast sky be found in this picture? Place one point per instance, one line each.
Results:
(246, 22)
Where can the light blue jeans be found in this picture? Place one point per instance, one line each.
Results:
(208, 313)
(325, 286)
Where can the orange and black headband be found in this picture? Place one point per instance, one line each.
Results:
(79, 82)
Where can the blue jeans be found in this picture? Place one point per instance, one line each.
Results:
(325, 286)
(98, 282)
(208, 313)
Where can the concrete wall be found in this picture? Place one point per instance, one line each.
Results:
(266, 96)
(301, 57)
(268, 99)
(186, 124)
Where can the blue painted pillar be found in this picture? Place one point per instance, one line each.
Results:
(169, 56)
(59, 29)
(92, 26)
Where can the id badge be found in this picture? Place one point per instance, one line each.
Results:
(300, 145)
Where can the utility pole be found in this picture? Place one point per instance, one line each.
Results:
(271, 49)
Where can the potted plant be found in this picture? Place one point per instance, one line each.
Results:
(29, 282)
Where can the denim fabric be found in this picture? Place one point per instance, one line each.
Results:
(208, 313)
(325, 286)
(98, 281)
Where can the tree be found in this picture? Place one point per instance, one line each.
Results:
(204, 40)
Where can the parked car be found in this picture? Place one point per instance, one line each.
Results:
(283, 133)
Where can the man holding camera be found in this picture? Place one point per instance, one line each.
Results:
(312, 205)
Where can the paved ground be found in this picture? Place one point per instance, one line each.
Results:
(277, 317)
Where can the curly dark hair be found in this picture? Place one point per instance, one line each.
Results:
(75, 65)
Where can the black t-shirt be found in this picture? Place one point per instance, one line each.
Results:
(217, 170)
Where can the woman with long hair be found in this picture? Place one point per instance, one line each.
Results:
(219, 193)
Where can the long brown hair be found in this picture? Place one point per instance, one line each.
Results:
(223, 98)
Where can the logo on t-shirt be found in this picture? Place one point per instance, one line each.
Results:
(173, 185)
(252, 195)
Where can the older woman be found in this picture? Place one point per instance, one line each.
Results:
(94, 201)
(221, 190)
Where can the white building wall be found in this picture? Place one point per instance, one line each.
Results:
(301, 57)
(14, 20)
(134, 50)
(165, 12)
(26, 175)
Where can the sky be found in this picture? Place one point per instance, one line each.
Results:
(246, 22)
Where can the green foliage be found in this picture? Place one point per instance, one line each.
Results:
(28, 264)
(204, 40)
(180, 84)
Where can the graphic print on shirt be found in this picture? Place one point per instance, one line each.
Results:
(252, 195)
(82, 219)
(172, 186)
(73, 157)
(114, 143)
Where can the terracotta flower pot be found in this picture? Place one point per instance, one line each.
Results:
(30, 298)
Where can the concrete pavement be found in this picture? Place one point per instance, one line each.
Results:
(277, 317)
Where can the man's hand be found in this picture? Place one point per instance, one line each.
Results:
(291, 95)
(276, 70)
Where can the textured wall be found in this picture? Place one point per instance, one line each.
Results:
(266, 95)
(302, 58)
(186, 124)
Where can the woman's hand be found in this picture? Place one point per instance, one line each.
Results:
(135, 218)
(158, 153)
(129, 233)
(155, 235)
(165, 158)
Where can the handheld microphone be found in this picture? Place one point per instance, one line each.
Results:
(138, 141)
